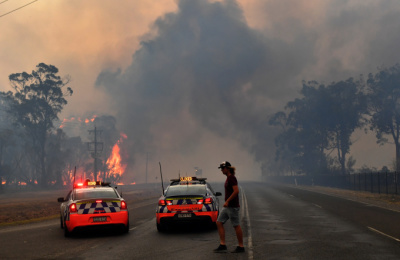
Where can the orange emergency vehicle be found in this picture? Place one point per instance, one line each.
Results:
(190, 200)
(93, 204)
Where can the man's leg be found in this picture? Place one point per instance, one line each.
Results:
(221, 232)
(239, 235)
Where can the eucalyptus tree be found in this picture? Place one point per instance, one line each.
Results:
(35, 104)
(384, 106)
(302, 142)
(347, 106)
(318, 123)
(286, 157)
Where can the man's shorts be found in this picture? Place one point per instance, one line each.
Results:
(229, 213)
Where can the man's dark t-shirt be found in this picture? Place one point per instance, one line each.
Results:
(229, 183)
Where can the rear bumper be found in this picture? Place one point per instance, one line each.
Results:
(208, 216)
(85, 220)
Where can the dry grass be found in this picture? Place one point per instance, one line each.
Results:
(22, 207)
(389, 201)
(25, 207)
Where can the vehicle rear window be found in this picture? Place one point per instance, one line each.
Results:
(178, 190)
(95, 193)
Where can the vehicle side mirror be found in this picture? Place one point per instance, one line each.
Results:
(218, 194)
(61, 199)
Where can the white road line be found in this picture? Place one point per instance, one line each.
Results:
(249, 235)
(386, 235)
(132, 228)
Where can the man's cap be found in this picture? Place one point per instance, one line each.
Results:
(224, 164)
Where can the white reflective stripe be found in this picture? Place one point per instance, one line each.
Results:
(90, 208)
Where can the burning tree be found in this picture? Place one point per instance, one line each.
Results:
(114, 164)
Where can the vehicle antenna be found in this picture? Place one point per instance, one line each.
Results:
(73, 184)
(162, 181)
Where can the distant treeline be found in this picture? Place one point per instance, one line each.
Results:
(315, 129)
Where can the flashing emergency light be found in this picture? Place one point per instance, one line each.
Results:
(188, 179)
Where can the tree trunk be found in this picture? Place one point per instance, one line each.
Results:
(397, 156)
(343, 163)
(43, 165)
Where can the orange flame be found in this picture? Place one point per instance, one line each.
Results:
(114, 161)
(72, 119)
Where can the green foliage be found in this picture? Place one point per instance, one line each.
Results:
(35, 104)
(320, 122)
(384, 106)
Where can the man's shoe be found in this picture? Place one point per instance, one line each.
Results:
(220, 249)
(238, 249)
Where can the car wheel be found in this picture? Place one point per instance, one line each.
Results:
(61, 223)
(160, 228)
(66, 232)
(213, 226)
(126, 228)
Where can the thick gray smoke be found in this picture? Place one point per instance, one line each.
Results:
(204, 75)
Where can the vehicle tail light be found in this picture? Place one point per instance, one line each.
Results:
(72, 208)
(169, 202)
(161, 203)
(200, 201)
(99, 201)
(208, 201)
(123, 205)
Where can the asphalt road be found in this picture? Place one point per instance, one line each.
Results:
(278, 222)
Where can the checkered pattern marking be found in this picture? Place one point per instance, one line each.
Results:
(206, 207)
(97, 208)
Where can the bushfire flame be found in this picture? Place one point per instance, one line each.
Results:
(114, 162)
(73, 119)
(114, 165)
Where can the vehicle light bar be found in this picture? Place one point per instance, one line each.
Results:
(188, 178)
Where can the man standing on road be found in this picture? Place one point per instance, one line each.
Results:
(230, 209)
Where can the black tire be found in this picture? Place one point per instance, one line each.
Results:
(213, 226)
(66, 232)
(61, 223)
(160, 228)
(126, 228)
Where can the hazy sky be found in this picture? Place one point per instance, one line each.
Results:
(192, 82)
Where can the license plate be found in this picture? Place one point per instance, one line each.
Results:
(187, 215)
(100, 219)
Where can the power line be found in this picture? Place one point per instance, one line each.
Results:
(17, 8)
(3, 1)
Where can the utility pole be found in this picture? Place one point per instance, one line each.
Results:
(147, 159)
(96, 148)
